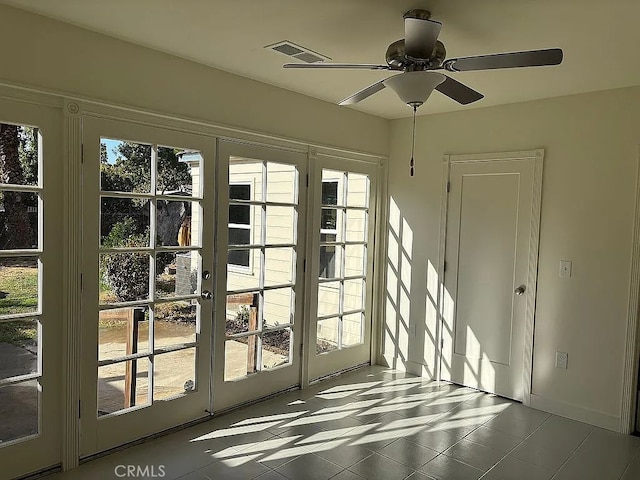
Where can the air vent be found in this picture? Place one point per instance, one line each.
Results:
(296, 51)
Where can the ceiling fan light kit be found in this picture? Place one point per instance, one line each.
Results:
(419, 53)
(414, 88)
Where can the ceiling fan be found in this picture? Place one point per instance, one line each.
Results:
(420, 54)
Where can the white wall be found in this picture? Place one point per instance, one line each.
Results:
(591, 151)
(53, 55)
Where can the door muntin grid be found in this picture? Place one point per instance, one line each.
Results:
(21, 274)
(157, 322)
(342, 293)
(261, 299)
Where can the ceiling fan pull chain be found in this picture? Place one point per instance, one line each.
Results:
(413, 143)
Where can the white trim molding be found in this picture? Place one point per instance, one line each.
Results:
(632, 346)
(575, 412)
(72, 292)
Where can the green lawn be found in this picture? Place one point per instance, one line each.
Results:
(18, 294)
(18, 289)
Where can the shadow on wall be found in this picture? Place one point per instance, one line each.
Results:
(404, 338)
(409, 337)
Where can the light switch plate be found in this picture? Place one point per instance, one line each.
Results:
(565, 268)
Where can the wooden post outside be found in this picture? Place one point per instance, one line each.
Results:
(252, 344)
(131, 369)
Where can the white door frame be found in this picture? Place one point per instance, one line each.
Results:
(538, 157)
(632, 338)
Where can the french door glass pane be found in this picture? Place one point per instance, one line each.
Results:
(124, 166)
(242, 313)
(355, 260)
(356, 225)
(124, 222)
(19, 285)
(353, 294)
(352, 326)
(328, 298)
(18, 219)
(124, 277)
(327, 335)
(276, 348)
(174, 224)
(123, 385)
(177, 172)
(175, 323)
(280, 225)
(19, 340)
(174, 373)
(177, 273)
(19, 404)
(279, 266)
(122, 332)
(277, 307)
(281, 181)
(240, 357)
(335, 187)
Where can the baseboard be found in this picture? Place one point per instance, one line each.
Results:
(414, 368)
(394, 362)
(574, 412)
(419, 369)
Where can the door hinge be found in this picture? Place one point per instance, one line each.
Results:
(304, 265)
(307, 179)
(448, 187)
(444, 269)
(301, 349)
(82, 153)
(79, 408)
(81, 283)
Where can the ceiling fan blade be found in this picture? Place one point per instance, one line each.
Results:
(360, 66)
(364, 93)
(534, 58)
(420, 37)
(459, 92)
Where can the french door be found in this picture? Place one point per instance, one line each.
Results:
(341, 279)
(260, 252)
(148, 209)
(31, 320)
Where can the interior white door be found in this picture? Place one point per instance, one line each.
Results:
(488, 252)
(259, 260)
(148, 209)
(341, 265)
(31, 319)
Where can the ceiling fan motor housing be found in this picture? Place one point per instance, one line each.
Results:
(397, 59)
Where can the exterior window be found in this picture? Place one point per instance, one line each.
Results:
(239, 225)
(328, 229)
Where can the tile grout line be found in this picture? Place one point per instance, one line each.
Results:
(514, 448)
(573, 452)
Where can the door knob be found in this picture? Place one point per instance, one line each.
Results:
(206, 295)
(520, 290)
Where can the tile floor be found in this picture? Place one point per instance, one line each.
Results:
(378, 424)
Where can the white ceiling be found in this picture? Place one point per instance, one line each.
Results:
(600, 41)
